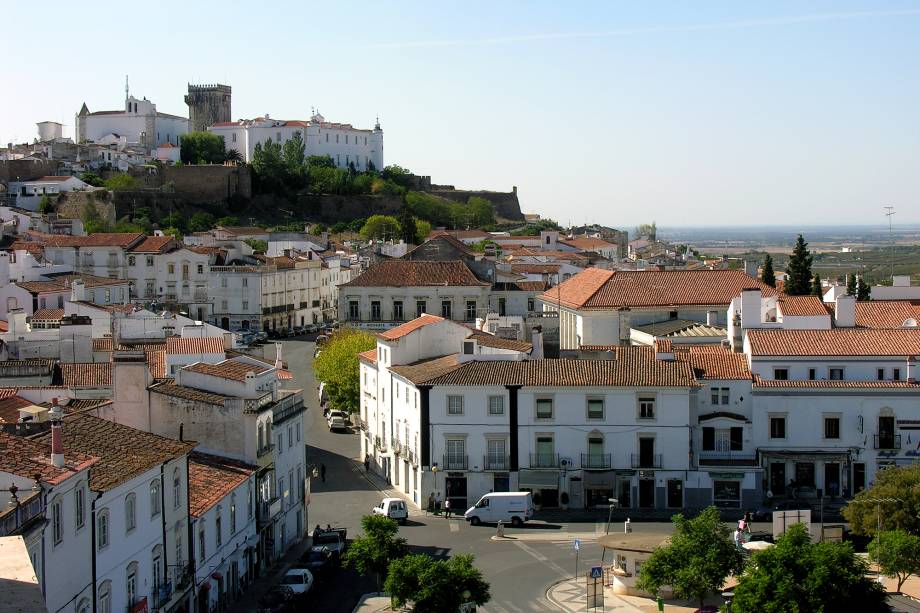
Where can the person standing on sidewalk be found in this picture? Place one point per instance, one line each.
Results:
(367, 463)
(447, 508)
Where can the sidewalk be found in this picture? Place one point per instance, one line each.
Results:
(269, 577)
(386, 489)
(570, 595)
(373, 603)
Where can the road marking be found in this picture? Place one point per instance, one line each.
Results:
(536, 554)
(454, 526)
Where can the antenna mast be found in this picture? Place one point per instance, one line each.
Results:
(889, 213)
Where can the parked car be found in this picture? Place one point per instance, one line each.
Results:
(514, 507)
(312, 328)
(321, 340)
(297, 330)
(337, 413)
(332, 539)
(337, 422)
(300, 580)
(394, 508)
(260, 337)
(278, 599)
(318, 559)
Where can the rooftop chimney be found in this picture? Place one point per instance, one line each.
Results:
(57, 441)
(845, 311)
(911, 369)
(278, 363)
(536, 339)
(663, 349)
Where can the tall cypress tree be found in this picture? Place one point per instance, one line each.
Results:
(851, 285)
(816, 288)
(798, 271)
(767, 275)
(863, 292)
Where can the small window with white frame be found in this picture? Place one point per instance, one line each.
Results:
(719, 395)
(496, 405)
(646, 407)
(595, 408)
(455, 405)
(544, 408)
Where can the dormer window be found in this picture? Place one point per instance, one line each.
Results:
(469, 347)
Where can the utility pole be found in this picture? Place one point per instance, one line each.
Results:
(878, 528)
(889, 213)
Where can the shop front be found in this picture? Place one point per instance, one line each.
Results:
(599, 487)
(542, 482)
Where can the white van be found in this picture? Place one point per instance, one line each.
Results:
(514, 507)
(394, 508)
(322, 395)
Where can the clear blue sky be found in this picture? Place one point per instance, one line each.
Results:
(688, 113)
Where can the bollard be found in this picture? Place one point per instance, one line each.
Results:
(500, 530)
(626, 527)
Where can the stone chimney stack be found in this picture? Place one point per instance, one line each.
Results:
(911, 369)
(57, 440)
(536, 337)
(278, 363)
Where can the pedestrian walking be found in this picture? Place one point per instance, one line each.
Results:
(316, 532)
(367, 463)
(447, 507)
(322, 472)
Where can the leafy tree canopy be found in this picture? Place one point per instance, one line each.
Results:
(898, 555)
(201, 222)
(373, 551)
(901, 483)
(92, 178)
(796, 575)
(175, 220)
(863, 292)
(258, 245)
(398, 175)
(700, 555)
(436, 586)
(537, 227)
(380, 227)
(422, 230)
(228, 221)
(202, 148)
(122, 182)
(851, 285)
(338, 366)
(407, 226)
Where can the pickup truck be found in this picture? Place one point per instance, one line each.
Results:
(333, 539)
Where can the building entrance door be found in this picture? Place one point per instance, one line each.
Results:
(778, 478)
(646, 493)
(675, 493)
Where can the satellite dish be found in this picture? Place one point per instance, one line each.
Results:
(910, 322)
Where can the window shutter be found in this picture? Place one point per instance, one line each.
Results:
(736, 439)
(709, 439)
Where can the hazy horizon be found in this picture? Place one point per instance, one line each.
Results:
(705, 115)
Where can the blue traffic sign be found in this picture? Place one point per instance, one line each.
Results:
(596, 572)
(576, 544)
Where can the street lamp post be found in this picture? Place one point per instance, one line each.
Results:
(612, 504)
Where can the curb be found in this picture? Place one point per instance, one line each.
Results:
(552, 600)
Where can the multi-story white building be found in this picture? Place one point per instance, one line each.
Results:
(57, 290)
(345, 144)
(160, 268)
(103, 254)
(138, 123)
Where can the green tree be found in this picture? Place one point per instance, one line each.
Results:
(796, 575)
(851, 285)
(202, 148)
(398, 175)
(767, 275)
(481, 212)
(380, 227)
(228, 222)
(898, 556)
(436, 586)
(201, 222)
(422, 230)
(649, 230)
(337, 365)
(45, 205)
(816, 287)
(257, 244)
(92, 178)
(863, 292)
(318, 228)
(798, 271)
(233, 155)
(407, 227)
(320, 161)
(901, 483)
(268, 166)
(176, 233)
(294, 158)
(373, 551)
(700, 555)
(174, 220)
(92, 221)
(122, 182)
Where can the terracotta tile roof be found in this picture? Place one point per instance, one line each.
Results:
(587, 243)
(412, 273)
(802, 306)
(102, 344)
(61, 283)
(410, 326)
(27, 458)
(595, 288)
(841, 342)
(632, 367)
(424, 370)
(714, 362)
(99, 239)
(87, 375)
(519, 286)
(154, 244)
(208, 344)
(123, 452)
(9, 408)
(228, 369)
(211, 478)
(169, 388)
(108, 308)
(370, 355)
(885, 313)
(36, 249)
(828, 384)
(450, 240)
(461, 234)
(496, 342)
(48, 315)
(10, 367)
(50, 179)
(156, 363)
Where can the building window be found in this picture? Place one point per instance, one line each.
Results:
(353, 312)
(832, 427)
(501, 306)
(171, 268)
(530, 305)
(445, 309)
(131, 583)
(290, 436)
(896, 374)
(456, 453)
(150, 261)
(223, 281)
(201, 269)
(544, 408)
(102, 529)
(130, 513)
(245, 281)
(201, 543)
(781, 374)
(595, 408)
(496, 405)
(154, 498)
(57, 522)
(131, 260)
(245, 305)
(835, 374)
(177, 489)
(812, 374)
(79, 506)
(777, 427)
(233, 514)
(420, 308)
(719, 395)
(397, 310)
(470, 310)
(218, 527)
(726, 494)
(375, 310)
(880, 374)
(646, 407)
(105, 597)
(233, 137)
(455, 405)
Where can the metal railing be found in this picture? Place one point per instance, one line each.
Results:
(495, 462)
(641, 460)
(455, 462)
(887, 441)
(265, 450)
(29, 510)
(595, 460)
(544, 460)
(715, 458)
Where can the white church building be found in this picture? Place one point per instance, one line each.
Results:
(342, 142)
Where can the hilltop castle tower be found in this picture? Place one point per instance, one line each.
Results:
(207, 105)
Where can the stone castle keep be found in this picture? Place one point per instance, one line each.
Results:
(207, 105)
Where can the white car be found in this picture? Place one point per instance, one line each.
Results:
(394, 508)
(300, 580)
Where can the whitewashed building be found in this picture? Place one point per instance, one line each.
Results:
(138, 123)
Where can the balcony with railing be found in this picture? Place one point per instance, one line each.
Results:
(643, 460)
(595, 461)
(18, 518)
(887, 441)
(728, 458)
(380, 444)
(455, 461)
(544, 460)
(269, 510)
(396, 446)
(362, 424)
(495, 462)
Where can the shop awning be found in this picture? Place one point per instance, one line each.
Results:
(598, 480)
(806, 454)
(538, 479)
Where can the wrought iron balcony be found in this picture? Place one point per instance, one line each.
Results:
(544, 460)
(728, 458)
(595, 460)
(455, 462)
(887, 441)
(651, 460)
(495, 462)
